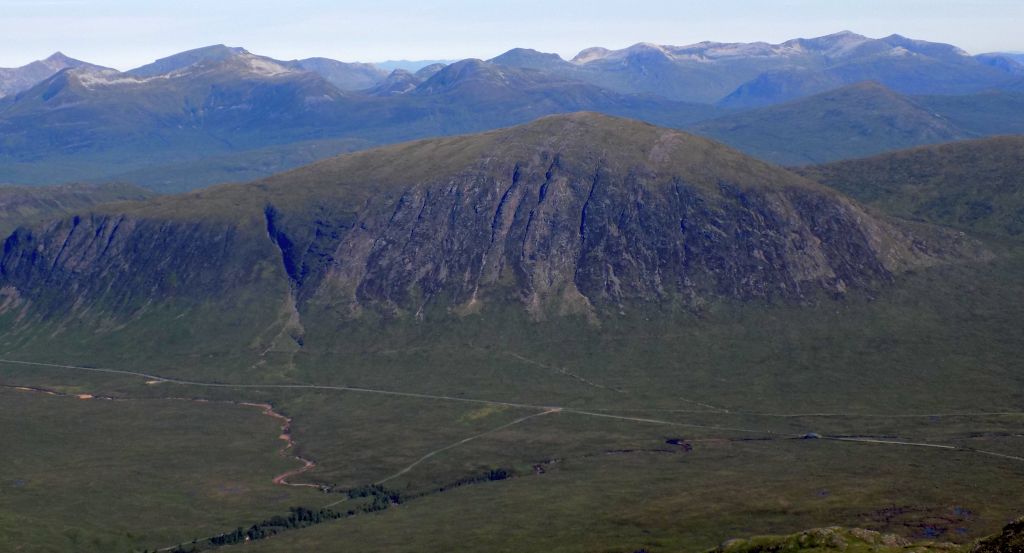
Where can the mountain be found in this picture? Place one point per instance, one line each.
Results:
(532, 59)
(854, 121)
(345, 76)
(572, 214)
(975, 185)
(22, 78)
(399, 81)
(82, 123)
(240, 98)
(744, 75)
(207, 54)
(429, 71)
(477, 95)
(32, 205)
(905, 65)
(1009, 63)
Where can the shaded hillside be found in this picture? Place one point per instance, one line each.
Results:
(976, 185)
(579, 214)
(855, 121)
(985, 113)
(32, 205)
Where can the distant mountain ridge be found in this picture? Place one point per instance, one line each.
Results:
(209, 110)
(17, 79)
(854, 121)
(759, 73)
(89, 122)
(345, 76)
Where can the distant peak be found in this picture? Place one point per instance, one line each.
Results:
(647, 46)
(528, 58)
(590, 54)
(57, 56)
(217, 51)
(845, 34)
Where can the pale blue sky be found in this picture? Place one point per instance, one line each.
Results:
(127, 33)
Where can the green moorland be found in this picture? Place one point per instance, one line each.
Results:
(28, 205)
(99, 475)
(976, 185)
(934, 358)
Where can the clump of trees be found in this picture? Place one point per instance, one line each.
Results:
(379, 498)
(298, 517)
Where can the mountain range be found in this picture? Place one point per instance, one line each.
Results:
(223, 113)
(757, 74)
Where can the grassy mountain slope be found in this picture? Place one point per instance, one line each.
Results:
(975, 185)
(984, 114)
(31, 205)
(854, 121)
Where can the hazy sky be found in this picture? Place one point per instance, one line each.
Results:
(127, 33)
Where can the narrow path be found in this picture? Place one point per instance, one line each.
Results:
(562, 371)
(466, 440)
(922, 444)
(722, 411)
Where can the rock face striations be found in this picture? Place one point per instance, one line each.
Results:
(579, 213)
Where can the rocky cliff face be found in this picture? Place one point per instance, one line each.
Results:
(570, 214)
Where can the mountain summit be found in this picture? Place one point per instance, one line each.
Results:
(215, 53)
(22, 78)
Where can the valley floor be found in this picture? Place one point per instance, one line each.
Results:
(890, 413)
